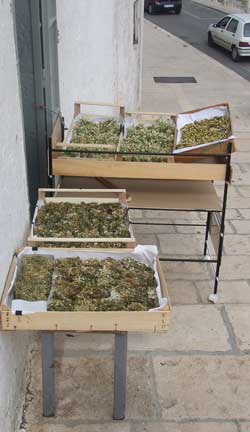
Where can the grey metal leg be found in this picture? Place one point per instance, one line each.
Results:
(48, 374)
(120, 372)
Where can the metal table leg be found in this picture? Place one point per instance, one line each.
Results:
(120, 372)
(48, 374)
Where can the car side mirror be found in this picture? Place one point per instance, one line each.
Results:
(214, 25)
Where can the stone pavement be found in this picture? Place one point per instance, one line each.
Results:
(196, 377)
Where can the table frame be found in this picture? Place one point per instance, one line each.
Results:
(120, 374)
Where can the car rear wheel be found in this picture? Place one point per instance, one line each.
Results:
(210, 40)
(178, 10)
(235, 54)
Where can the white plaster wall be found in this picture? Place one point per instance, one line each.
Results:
(14, 215)
(97, 58)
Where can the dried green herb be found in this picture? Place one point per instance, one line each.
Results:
(87, 285)
(87, 132)
(79, 245)
(92, 155)
(205, 131)
(106, 285)
(84, 220)
(34, 278)
(158, 138)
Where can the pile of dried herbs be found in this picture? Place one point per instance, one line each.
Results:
(157, 138)
(104, 132)
(89, 132)
(84, 220)
(107, 285)
(34, 278)
(205, 131)
(89, 285)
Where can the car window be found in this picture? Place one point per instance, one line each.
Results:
(247, 30)
(232, 26)
(222, 23)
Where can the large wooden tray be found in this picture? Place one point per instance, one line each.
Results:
(76, 196)
(157, 321)
(207, 168)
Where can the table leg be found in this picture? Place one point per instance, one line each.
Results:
(120, 372)
(48, 374)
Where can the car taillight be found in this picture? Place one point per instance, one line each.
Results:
(244, 44)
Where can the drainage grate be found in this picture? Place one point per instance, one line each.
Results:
(174, 80)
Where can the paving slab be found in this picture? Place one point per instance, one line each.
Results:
(209, 387)
(198, 327)
(178, 244)
(237, 244)
(245, 213)
(153, 229)
(185, 427)
(228, 291)
(182, 292)
(71, 344)
(84, 389)
(239, 317)
(96, 427)
(145, 239)
(235, 267)
(186, 271)
(241, 226)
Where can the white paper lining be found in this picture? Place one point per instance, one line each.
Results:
(188, 118)
(145, 254)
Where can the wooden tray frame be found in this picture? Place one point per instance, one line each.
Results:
(76, 196)
(86, 321)
(209, 169)
(77, 110)
(218, 148)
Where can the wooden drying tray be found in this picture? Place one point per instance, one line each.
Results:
(56, 142)
(76, 196)
(86, 321)
(212, 149)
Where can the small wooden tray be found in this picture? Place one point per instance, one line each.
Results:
(76, 196)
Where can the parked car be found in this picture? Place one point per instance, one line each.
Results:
(233, 33)
(152, 6)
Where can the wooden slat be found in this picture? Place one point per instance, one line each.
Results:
(9, 279)
(85, 146)
(32, 241)
(150, 113)
(83, 190)
(57, 131)
(144, 170)
(78, 200)
(77, 106)
(88, 321)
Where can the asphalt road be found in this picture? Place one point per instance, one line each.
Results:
(191, 26)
